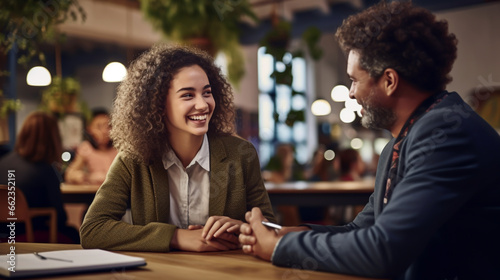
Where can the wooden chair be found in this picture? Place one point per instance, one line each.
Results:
(24, 214)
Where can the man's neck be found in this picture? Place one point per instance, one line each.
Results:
(408, 99)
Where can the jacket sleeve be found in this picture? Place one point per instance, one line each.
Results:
(102, 226)
(364, 219)
(438, 174)
(256, 191)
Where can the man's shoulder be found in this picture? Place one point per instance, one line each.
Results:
(451, 112)
(453, 119)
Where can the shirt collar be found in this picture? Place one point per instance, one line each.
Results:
(202, 157)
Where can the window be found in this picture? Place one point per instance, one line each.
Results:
(282, 108)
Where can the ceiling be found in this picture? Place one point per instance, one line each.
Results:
(327, 15)
(288, 8)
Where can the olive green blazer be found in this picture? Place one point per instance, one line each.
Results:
(236, 186)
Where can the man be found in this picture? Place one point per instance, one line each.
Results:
(435, 210)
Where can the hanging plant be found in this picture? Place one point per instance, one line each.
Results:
(311, 37)
(209, 25)
(27, 23)
(277, 39)
(277, 42)
(61, 96)
(8, 106)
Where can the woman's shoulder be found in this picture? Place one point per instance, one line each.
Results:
(230, 139)
(232, 146)
(132, 162)
(85, 147)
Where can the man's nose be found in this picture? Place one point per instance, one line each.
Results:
(351, 92)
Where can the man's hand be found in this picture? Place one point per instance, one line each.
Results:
(260, 240)
(256, 238)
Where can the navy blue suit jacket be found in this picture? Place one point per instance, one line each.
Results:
(443, 219)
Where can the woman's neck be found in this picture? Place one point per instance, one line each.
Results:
(102, 147)
(186, 148)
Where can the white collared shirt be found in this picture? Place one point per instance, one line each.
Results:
(189, 188)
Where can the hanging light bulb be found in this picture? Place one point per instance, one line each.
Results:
(38, 76)
(114, 72)
(356, 143)
(353, 105)
(340, 93)
(321, 107)
(347, 116)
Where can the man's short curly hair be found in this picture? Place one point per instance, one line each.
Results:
(405, 38)
(138, 118)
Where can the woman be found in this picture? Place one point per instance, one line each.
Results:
(282, 167)
(95, 155)
(36, 160)
(186, 179)
(352, 166)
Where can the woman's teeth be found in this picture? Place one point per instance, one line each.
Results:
(198, 118)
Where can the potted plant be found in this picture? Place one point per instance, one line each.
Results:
(6, 106)
(277, 42)
(210, 25)
(30, 22)
(61, 97)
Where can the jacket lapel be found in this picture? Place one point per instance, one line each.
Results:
(159, 177)
(218, 177)
(381, 179)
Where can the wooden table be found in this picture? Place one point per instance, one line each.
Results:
(186, 265)
(78, 193)
(320, 193)
(291, 193)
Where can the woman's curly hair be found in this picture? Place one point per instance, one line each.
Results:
(138, 116)
(405, 38)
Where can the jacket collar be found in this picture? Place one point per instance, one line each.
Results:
(159, 176)
(219, 179)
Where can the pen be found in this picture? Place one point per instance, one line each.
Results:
(271, 225)
(48, 258)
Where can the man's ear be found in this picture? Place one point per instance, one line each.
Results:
(390, 81)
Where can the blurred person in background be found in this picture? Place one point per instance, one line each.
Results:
(352, 166)
(94, 155)
(36, 160)
(321, 169)
(4, 149)
(282, 167)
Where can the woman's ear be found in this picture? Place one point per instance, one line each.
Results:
(390, 80)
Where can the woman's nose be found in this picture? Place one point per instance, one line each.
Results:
(200, 103)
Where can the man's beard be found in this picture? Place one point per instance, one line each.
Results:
(375, 115)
